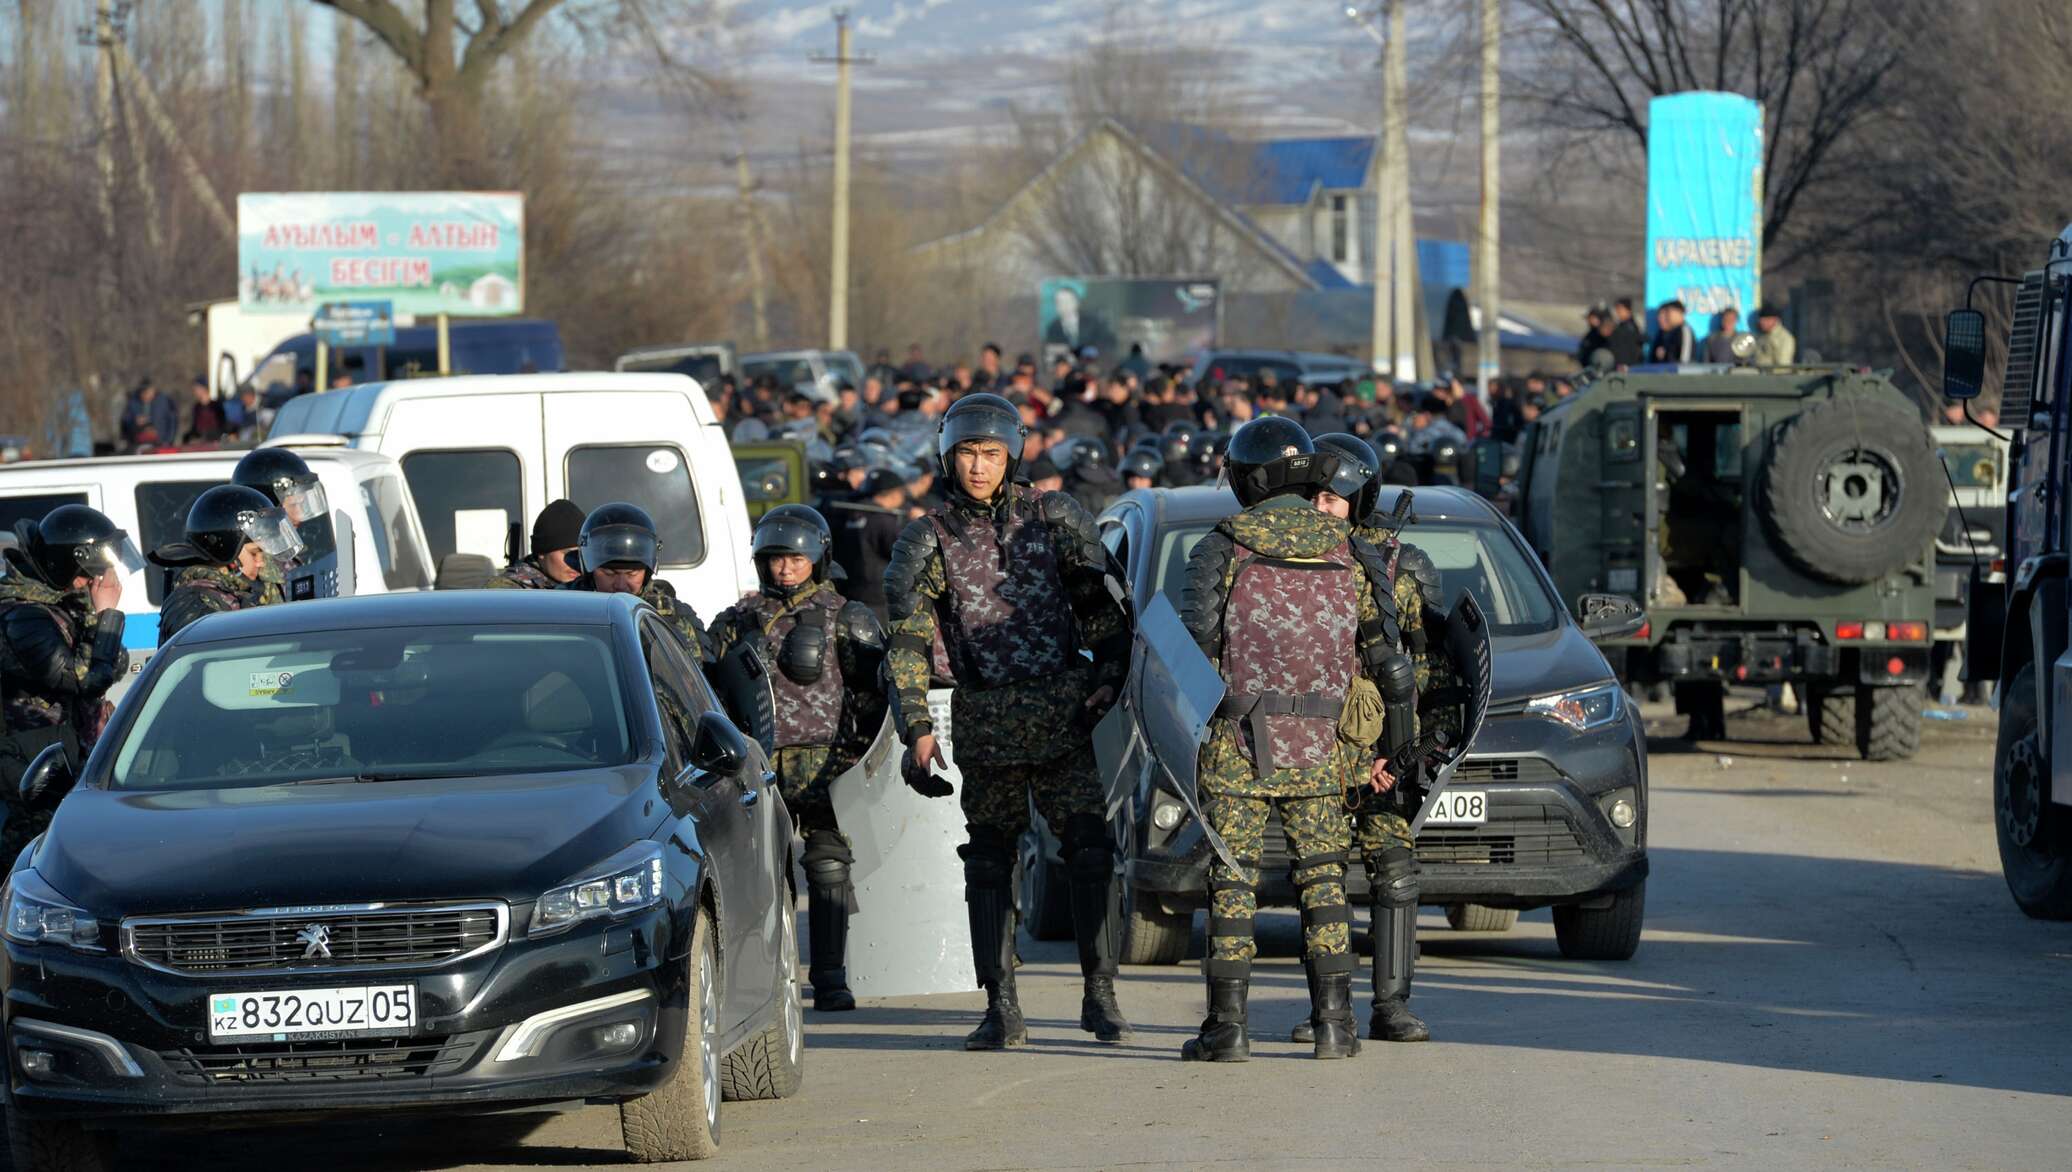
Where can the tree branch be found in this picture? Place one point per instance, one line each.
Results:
(388, 24)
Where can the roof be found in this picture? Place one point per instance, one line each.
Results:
(350, 410)
(1293, 169)
(416, 609)
(227, 457)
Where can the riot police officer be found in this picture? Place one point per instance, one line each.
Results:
(1176, 445)
(555, 534)
(60, 646)
(1141, 468)
(231, 532)
(284, 479)
(1277, 599)
(1089, 471)
(827, 652)
(617, 550)
(1016, 583)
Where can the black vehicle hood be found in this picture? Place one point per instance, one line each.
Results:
(1539, 665)
(129, 853)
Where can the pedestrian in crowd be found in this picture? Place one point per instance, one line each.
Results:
(60, 648)
(825, 652)
(205, 421)
(881, 368)
(555, 534)
(865, 527)
(243, 417)
(1625, 341)
(1043, 476)
(149, 419)
(1674, 341)
(1015, 584)
(1774, 345)
(917, 367)
(1275, 598)
(617, 550)
(1719, 344)
(231, 533)
(1504, 421)
(1596, 334)
(1141, 467)
(988, 376)
(1136, 363)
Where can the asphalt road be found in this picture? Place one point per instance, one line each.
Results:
(1832, 976)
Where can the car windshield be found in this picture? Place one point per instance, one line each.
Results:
(1474, 556)
(376, 705)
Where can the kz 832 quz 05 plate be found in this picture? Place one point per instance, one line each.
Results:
(315, 1014)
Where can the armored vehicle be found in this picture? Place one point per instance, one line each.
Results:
(1778, 525)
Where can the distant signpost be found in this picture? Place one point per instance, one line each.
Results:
(355, 323)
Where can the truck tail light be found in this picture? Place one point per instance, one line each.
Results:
(1850, 630)
(1907, 632)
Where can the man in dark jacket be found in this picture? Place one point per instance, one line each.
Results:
(865, 528)
(555, 534)
(1626, 344)
(1673, 340)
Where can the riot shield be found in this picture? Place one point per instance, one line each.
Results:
(1466, 643)
(741, 681)
(325, 567)
(1172, 692)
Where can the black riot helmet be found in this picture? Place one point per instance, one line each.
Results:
(284, 479)
(791, 529)
(618, 535)
(1358, 478)
(1079, 453)
(1145, 462)
(72, 540)
(1388, 444)
(980, 417)
(222, 520)
(1176, 442)
(1272, 456)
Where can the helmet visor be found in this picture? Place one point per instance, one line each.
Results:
(115, 552)
(984, 424)
(302, 497)
(788, 535)
(1350, 478)
(272, 532)
(619, 546)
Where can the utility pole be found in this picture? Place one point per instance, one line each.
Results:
(1402, 233)
(103, 40)
(838, 267)
(758, 296)
(1488, 347)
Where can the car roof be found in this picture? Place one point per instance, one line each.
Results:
(1186, 506)
(228, 457)
(417, 609)
(350, 410)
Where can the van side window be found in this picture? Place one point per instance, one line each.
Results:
(162, 517)
(653, 476)
(447, 482)
(32, 507)
(389, 525)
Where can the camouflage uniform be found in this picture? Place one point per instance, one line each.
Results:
(273, 581)
(205, 590)
(57, 659)
(680, 617)
(521, 575)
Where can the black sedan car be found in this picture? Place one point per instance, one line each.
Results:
(460, 851)
(1550, 806)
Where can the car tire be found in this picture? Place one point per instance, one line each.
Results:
(773, 1063)
(1153, 935)
(679, 1120)
(57, 1145)
(1831, 716)
(1888, 722)
(1474, 917)
(1046, 893)
(1912, 504)
(1607, 933)
(2034, 839)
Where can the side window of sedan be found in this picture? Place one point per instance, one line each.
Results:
(674, 698)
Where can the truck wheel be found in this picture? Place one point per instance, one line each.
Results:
(57, 1145)
(773, 1064)
(1832, 716)
(1706, 705)
(2035, 846)
(1046, 893)
(1854, 490)
(1607, 933)
(1888, 722)
(1473, 917)
(679, 1120)
(1153, 935)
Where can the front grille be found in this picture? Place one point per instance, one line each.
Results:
(398, 937)
(348, 1060)
(1486, 770)
(1517, 836)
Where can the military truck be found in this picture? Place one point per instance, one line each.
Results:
(2019, 618)
(1777, 524)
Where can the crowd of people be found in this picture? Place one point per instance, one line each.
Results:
(1614, 331)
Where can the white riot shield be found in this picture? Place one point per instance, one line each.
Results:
(911, 935)
(1466, 640)
(1172, 692)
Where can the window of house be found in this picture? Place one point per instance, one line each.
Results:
(1341, 229)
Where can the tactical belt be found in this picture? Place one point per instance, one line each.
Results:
(1254, 707)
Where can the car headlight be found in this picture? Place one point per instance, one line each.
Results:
(626, 882)
(37, 914)
(1580, 710)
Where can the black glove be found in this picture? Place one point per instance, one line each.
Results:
(921, 778)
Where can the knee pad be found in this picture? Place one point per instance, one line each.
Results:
(1395, 876)
(988, 859)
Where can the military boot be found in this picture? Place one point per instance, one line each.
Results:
(1222, 1037)
(1395, 959)
(1097, 926)
(827, 930)
(1335, 1032)
(991, 909)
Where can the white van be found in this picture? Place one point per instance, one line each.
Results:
(148, 496)
(485, 453)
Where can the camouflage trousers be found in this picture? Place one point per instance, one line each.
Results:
(996, 798)
(803, 775)
(22, 828)
(1319, 835)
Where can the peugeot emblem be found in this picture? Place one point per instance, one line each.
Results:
(317, 941)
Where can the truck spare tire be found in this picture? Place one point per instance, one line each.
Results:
(1854, 490)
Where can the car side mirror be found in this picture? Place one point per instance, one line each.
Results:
(47, 779)
(718, 747)
(1610, 616)
(1964, 354)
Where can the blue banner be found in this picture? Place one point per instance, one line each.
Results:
(355, 323)
(1705, 205)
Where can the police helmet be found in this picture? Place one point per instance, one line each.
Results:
(1358, 478)
(848, 458)
(227, 516)
(284, 479)
(1079, 453)
(1177, 441)
(72, 540)
(1145, 462)
(982, 416)
(618, 535)
(791, 529)
(1272, 456)
(1388, 444)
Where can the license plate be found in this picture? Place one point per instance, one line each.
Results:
(1459, 807)
(280, 1014)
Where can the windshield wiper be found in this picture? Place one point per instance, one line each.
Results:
(378, 775)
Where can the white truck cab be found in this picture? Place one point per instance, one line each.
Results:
(485, 453)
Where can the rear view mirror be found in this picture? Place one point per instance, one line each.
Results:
(718, 747)
(47, 779)
(1610, 616)
(1964, 354)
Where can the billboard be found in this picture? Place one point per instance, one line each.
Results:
(1705, 204)
(1169, 317)
(423, 252)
